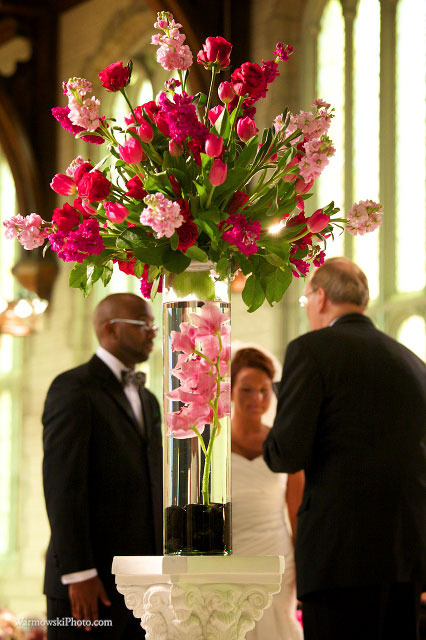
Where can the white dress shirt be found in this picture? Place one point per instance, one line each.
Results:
(133, 397)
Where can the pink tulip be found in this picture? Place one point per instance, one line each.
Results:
(215, 112)
(318, 221)
(144, 131)
(175, 149)
(303, 187)
(62, 184)
(226, 92)
(246, 128)
(213, 145)
(131, 151)
(115, 212)
(217, 175)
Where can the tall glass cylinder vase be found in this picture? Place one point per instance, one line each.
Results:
(196, 412)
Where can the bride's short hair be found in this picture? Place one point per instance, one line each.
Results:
(252, 358)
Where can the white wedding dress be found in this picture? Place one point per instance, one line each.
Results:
(259, 528)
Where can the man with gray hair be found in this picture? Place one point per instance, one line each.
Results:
(352, 413)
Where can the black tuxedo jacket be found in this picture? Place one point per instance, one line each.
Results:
(102, 476)
(352, 413)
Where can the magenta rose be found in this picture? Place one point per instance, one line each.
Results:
(115, 76)
(82, 168)
(135, 189)
(188, 234)
(215, 51)
(249, 79)
(94, 187)
(238, 200)
(66, 218)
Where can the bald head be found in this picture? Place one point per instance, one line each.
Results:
(343, 282)
(335, 289)
(130, 343)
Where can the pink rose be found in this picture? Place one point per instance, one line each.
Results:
(66, 218)
(115, 76)
(215, 51)
(249, 79)
(94, 187)
(115, 211)
(82, 168)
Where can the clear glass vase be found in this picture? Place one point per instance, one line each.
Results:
(196, 412)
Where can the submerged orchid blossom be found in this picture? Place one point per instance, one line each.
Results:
(202, 368)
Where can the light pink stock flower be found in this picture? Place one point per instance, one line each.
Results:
(83, 111)
(172, 53)
(27, 230)
(363, 217)
(161, 214)
(73, 166)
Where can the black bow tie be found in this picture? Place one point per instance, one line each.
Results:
(136, 378)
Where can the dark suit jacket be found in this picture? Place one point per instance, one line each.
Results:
(352, 413)
(102, 478)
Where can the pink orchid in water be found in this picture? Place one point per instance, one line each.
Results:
(209, 320)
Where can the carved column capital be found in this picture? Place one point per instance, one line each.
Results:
(195, 612)
(198, 598)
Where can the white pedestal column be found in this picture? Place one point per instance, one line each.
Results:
(198, 597)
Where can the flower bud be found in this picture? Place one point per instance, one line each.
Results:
(226, 92)
(246, 129)
(62, 184)
(213, 145)
(303, 187)
(318, 221)
(214, 113)
(115, 211)
(144, 131)
(217, 175)
(131, 151)
(175, 149)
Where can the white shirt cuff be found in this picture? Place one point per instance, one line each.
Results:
(78, 576)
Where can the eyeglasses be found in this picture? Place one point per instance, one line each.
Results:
(148, 326)
(303, 300)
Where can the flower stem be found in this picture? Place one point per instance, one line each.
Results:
(209, 199)
(124, 94)
(209, 97)
(207, 465)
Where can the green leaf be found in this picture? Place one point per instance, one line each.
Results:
(94, 272)
(152, 255)
(202, 192)
(155, 286)
(174, 241)
(107, 273)
(247, 155)
(222, 267)
(78, 276)
(212, 214)
(272, 258)
(132, 237)
(253, 294)
(277, 245)
(200, 99)
(222, 126)
(276, 283)
(210, 228)
(158, 182)
(195, 253)
(235, 179)
(139, 268)
(176, 261)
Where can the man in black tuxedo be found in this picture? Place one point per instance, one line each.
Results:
(102, 474)
(352, 413)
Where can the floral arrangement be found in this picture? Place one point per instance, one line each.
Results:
(203, 371)
(184, 180)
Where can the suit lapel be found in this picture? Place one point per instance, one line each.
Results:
(113, 388)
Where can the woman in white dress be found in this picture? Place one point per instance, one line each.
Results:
(264, 504)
